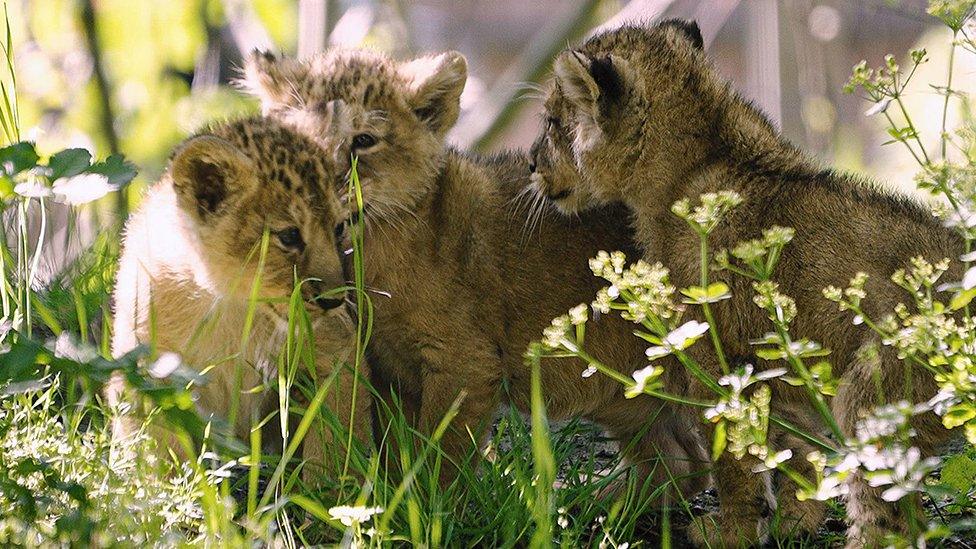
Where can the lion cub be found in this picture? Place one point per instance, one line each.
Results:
(469, 286)
(190, 258)
(638, 115)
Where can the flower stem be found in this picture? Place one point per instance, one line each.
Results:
(712, 328)
(943, 138)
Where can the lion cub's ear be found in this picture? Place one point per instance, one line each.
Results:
(435, 90)
(269, 78)
(591, 84)
(207, 171)
(688, 30)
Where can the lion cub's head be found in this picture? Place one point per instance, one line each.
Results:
(612, 107)
(239, 179)
(392, 115)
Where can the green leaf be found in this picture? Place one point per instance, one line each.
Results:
(794, 381)
(719, 441)
(68, 162)
(962, 299)
(958, 415)
(959, 473)
(717, 290)
(17, 158)
(116, 168)
(770, 354)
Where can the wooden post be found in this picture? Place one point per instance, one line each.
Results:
(762, 54)
(313, 26)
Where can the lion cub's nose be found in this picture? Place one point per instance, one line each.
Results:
(326, 303)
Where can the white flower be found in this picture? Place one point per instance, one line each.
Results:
(879, 107)
(643, 378)
(82, 188)
(685, 335)
(737, 382)
(589, 371)
(772, 461)
(969, 279)
(577, 315)
(166, 364)
(349, 515)
(962, 217)
(32, 188)
(66, 346)
(971, 256)
(769, 374)
(654, 353)
(943, 400)
(831, 487)
(678, 339)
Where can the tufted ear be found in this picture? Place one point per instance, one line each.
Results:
(591, 83)
(207, 171)
(435, 86)
(688, 29)
(269, 78)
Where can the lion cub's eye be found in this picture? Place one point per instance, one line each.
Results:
(291, 238)
(363, 141)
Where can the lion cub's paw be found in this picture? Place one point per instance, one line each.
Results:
(727, 530)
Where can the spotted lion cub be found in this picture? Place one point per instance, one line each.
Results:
(469, 285)
(638, 115)
(191, 257)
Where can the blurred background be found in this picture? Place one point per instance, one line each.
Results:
(137, 76)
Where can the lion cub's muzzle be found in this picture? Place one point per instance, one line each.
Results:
(317, 293)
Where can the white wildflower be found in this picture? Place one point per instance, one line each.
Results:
(589, 371)
(32, 188)
(644, 379)
(879, 107)
(82, 188)
(577, 315)
(969, 279)
(678, 339)
(349, 515)
(66, 346)
(771, 462)
(166, 364)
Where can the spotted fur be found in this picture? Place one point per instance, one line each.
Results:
(191, 257)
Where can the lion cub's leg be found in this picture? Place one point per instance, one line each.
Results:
(795, 516)
(350, 401)
(870, 517)
(479, 398)
(660, 441)
(743, 508)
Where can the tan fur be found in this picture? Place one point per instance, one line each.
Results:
(190, 256)
(470, 284)
(668, 128)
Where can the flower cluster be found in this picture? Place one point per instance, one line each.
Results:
(887, 81)
(879, 453)
(353, 517)
(640, 290)
(745, 419)
(954, 13)
(713, 207)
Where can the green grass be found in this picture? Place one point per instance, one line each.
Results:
(64, 481)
